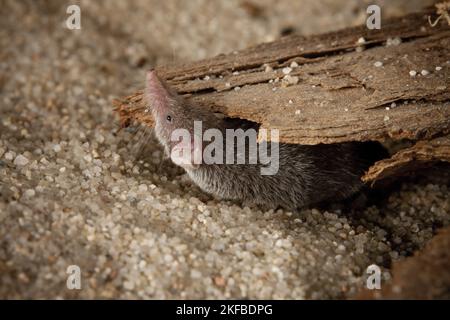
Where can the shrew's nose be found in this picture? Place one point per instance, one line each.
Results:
(155, 91)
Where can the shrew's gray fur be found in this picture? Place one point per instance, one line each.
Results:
(306, 174)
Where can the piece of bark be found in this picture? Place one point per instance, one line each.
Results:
(347, 90)
(341, 95)
(426, 275)
(423, 153)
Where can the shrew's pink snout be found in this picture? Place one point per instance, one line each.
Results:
(156, 93)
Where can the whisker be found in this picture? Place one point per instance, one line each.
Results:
(163, 159)
(139, 140)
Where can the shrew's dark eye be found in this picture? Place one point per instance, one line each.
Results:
(169, 118)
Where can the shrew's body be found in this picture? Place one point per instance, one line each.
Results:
(306, 174)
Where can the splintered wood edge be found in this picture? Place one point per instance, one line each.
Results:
(131, 109)
(421, 154)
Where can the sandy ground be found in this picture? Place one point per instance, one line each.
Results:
(73, 193)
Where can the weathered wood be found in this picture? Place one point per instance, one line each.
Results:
(342, 92)
(423, 153)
